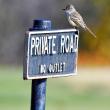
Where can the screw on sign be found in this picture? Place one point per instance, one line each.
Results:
(48, 53)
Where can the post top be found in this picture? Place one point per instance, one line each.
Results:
(41, 24)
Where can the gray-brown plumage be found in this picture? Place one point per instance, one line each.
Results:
(75, 19)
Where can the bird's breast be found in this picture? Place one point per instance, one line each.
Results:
(71, 22)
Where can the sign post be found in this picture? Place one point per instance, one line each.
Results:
(38, 94)
(48, 53)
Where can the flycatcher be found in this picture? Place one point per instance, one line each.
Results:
(75, 19)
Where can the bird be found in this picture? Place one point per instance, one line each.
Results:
(75, 19)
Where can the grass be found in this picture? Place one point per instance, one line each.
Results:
(66, 98)
(14, 92)
(62, 94)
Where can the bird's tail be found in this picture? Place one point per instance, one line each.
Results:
(90, 32)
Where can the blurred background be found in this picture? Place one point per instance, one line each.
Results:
(90, 89)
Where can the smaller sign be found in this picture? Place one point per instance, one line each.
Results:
(50, 53)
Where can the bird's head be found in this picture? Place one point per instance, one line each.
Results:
(69, 8)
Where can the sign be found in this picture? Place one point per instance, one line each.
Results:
(50, 53)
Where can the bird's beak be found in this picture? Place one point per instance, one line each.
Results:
(63, 9)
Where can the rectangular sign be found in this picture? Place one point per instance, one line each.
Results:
(50, 53)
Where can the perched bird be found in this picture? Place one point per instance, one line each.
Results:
(75, 19)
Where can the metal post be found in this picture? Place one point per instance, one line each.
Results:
(38, 95)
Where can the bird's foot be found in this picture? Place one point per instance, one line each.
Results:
(75, 27)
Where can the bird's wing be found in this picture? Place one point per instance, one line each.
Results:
(76, 17)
